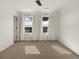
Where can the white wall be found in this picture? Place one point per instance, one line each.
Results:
(54, 18)
(69, 25)
(35, 35)
(6, 27)
(36, 26)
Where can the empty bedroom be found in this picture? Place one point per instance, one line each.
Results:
(39, 29)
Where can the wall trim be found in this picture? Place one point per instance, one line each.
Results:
(69, 47)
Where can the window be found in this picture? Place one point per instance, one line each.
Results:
(45, 18)
(45, 29)
(28, 19)
(45, 21)
(28, 29)
(28, 24)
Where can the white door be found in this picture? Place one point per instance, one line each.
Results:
(44, 27)
(16, 28)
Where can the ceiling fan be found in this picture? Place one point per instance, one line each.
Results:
(38, 2)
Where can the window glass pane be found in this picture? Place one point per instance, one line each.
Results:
(28, 19)
(45, 18)
(45, 29)
(28, 29)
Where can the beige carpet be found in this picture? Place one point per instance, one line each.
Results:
(31, 50)
(60, 49)
(35, 50)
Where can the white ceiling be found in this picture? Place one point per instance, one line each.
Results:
(53, 4)
(30, 5)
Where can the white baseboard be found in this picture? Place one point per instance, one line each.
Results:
(69, 47)
(6, 47)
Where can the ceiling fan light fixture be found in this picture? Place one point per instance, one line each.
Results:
(38, 2)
